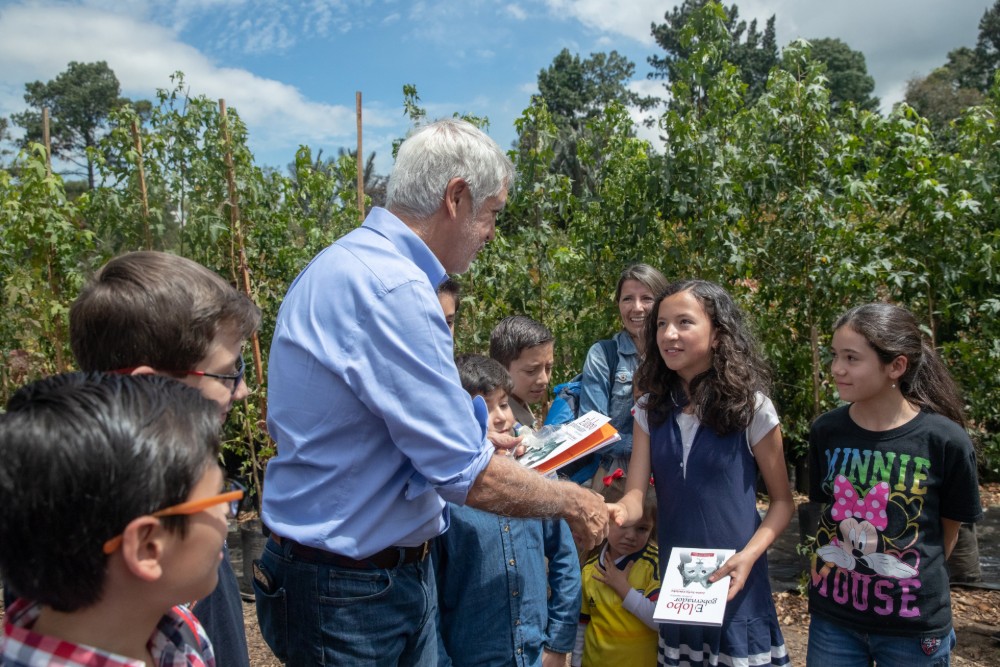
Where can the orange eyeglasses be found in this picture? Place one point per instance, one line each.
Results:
(232, 495)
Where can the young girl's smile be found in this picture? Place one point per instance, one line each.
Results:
(856, 368)
(684, 335)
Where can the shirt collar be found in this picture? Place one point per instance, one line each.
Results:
(410, 245)
(626, 345)
(24, 642)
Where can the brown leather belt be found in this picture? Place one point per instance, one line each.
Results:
(386, 559)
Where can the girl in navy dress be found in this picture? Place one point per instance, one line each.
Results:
(705, 428)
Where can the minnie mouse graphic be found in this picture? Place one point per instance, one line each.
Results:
(860, 523)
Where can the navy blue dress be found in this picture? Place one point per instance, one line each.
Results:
(714, 505)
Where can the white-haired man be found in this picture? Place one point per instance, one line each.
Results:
(373, 429)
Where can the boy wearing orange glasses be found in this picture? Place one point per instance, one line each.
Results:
(120, 520)
(154, 312)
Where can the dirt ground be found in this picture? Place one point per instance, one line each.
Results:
(976, 616)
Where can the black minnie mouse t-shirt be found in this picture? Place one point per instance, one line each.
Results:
(879, 561)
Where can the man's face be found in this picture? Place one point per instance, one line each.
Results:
(473, 232)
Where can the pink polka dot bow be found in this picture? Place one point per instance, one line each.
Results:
(848, 504)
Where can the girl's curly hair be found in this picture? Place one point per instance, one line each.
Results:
(724, 396)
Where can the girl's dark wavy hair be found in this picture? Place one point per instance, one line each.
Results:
(725, 395)
(894, 332)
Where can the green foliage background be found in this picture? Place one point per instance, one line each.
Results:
(800, 209)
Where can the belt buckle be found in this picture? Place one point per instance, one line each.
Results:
(424, 550)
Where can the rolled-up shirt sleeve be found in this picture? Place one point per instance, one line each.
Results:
(418, 394)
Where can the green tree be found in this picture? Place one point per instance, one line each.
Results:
(753, 52)
(987, 52)
(941, 98)
(846, 73)
(79, 100)
(576, 91)
(373, 183)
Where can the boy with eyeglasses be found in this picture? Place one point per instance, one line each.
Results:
(157, 313)
(122, 521)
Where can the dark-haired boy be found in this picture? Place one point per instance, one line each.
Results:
(526, 348)
(123, 519)
(154, 312)
(500, 604)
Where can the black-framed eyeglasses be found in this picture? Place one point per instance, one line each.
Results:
(235, 378)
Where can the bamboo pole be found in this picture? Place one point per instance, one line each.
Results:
(51, 254)
(360, 159)
(137, 141)
(243, 272)
(47, 141)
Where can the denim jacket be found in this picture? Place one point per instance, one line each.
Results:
(493, 590)
(615, 402)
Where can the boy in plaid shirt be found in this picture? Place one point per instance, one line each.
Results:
(112, 516)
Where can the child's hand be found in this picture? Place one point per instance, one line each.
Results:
(738, 567)
(613, 577)
(553, 659)
(617, 514)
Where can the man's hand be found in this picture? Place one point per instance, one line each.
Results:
(506, 444)
(587, 516)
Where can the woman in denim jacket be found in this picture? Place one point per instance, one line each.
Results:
(638, 287)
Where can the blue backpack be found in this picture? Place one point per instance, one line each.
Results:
(566, 404)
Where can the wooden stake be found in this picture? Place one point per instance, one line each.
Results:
(47, 141)
(360, 160)
(51, 255)
(241, 270)
(137, 141)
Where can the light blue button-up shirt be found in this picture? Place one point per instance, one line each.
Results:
(373, 429)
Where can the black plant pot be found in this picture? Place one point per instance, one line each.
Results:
(252, 543)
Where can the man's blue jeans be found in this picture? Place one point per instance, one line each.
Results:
(317, 614)
(831, 645)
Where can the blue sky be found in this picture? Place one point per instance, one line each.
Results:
(291, 69)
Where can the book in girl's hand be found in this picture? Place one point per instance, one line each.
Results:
(686, 594)
(553, 446)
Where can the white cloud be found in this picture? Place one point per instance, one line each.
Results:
(651, 87)
(900, 38)
(629, 18)
(647, 87)
(144, 55)
(515, 11)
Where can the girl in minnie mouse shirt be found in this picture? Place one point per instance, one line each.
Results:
(896, 473)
